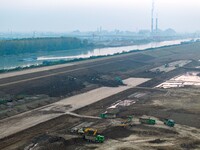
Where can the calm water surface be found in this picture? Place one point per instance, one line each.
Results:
(9, 62)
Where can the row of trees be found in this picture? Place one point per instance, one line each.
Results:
(31, 45)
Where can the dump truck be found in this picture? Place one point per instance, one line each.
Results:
(169, 122)
(147, 121)
(92, 135)
(108, 115)
(94, 138)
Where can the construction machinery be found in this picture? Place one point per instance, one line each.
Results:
(108, 115)
(166, 65)
(119, 80)
(90, 131)
(177, 66)
(147, 121)
(158, 70)
(92, 135)
(169, 122)
(127, 122)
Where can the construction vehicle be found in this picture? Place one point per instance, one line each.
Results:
(166, 65)
(90, 131)
(158, 70)
(82, 131)
(169, 122)
(177, 65)
(127, 122)
(119, 80)
(89, 134)
(108, 116)
(147, 121)
(94, 138)
(92, 135)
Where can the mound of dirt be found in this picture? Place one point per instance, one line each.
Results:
(152, 131)
(157, 141)
(103, 81)
(116, 132)
(48, 142)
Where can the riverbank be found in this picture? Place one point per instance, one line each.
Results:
(69, 56)
(46, 63)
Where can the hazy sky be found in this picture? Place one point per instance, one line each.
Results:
(69, 15)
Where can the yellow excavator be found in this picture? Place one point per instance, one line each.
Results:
(90, 131)
(92, 135)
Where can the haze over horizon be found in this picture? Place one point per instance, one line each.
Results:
(88, 15)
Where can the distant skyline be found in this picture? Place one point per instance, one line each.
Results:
(88, 15)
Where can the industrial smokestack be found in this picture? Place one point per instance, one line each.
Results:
(156, 23)
(152, 17)
(151, 24)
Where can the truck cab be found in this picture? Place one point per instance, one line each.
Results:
(100, 138)
(147, 121)
(169, 122)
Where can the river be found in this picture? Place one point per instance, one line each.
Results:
(10, 62)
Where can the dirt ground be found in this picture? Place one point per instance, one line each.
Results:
(185, 134)
(28, 119)
(181, 104)
(55, 134)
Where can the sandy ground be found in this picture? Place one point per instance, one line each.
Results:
(189, 78)
(182, 101)
(171, 66)
(142, 142)
(26, 120)
(179, 99)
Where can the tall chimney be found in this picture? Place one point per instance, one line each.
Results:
(156, 23)
(152, 17)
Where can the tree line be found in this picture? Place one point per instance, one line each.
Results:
(32, 45)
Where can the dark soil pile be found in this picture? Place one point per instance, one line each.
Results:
(48, 142)
(116, 133)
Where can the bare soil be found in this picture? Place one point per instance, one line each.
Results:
(159, 104)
